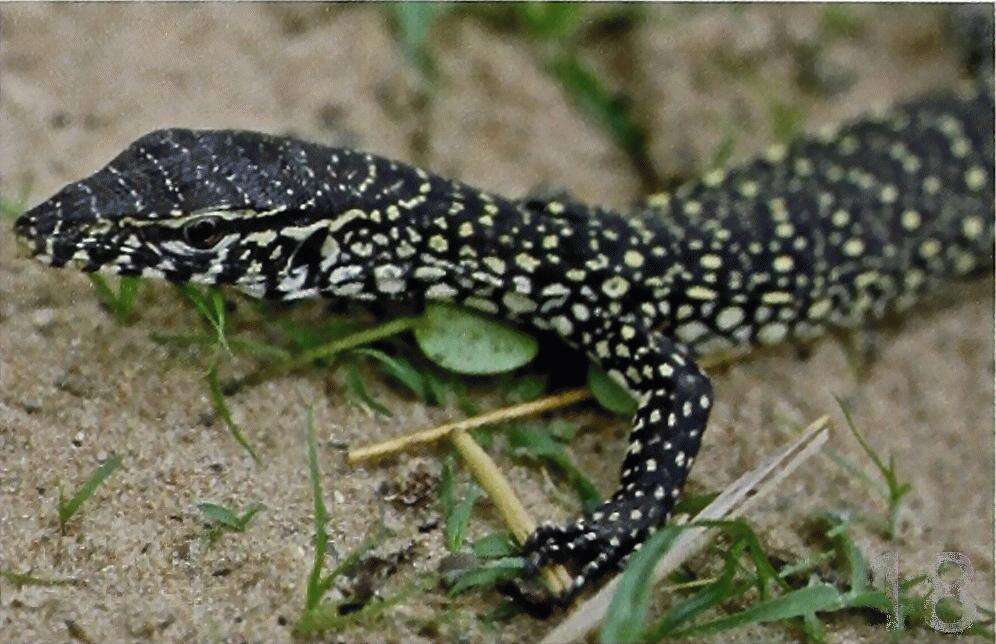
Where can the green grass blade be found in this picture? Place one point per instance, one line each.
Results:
(358, 390)
(221, 408)
(314, 588)
(456, 513)
(494, 546)
(351, 560)
(26, 579)
(104, 292)
(399, 368)
(459, 519)
(627, 613)
(210, 303)
(68, 508)
(329, 349)
(708, 597)
(796, 603)
(488, 574)
(531, 441)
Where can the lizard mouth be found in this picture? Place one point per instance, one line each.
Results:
(46, 235)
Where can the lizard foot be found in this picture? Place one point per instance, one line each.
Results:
(596, 543)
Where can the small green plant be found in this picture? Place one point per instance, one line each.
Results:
(895, 490)
(210, 303)
(224, 519)
(68, 508)
(497, 562)
(319, 616)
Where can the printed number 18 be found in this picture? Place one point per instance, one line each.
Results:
(885, 568)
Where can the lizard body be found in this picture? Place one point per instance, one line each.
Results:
(828, 232)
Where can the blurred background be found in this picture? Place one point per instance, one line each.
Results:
(610, 100)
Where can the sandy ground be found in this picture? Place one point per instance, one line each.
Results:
(80, 82)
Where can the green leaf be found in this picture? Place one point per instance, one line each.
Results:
(467, 342)
(68, 508)
(609, 393)
(400, 369)
(628, 611)
(521, 390)
(220, 514)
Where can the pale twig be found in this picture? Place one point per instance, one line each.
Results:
(499, 415)
(549, 403)
(509, 507)
(732, 502)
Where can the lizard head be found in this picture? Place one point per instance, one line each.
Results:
(209, 206)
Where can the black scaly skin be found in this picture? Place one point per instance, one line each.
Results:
(828, 232)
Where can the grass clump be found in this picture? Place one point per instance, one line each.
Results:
(836, 578)
(535, 442)
(894, 491)
(319, 616)
(121, 303)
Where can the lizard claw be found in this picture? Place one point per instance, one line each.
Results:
(595, 544)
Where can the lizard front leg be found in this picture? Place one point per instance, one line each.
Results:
(675, 397)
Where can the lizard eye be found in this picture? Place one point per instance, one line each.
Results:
(202, 233)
